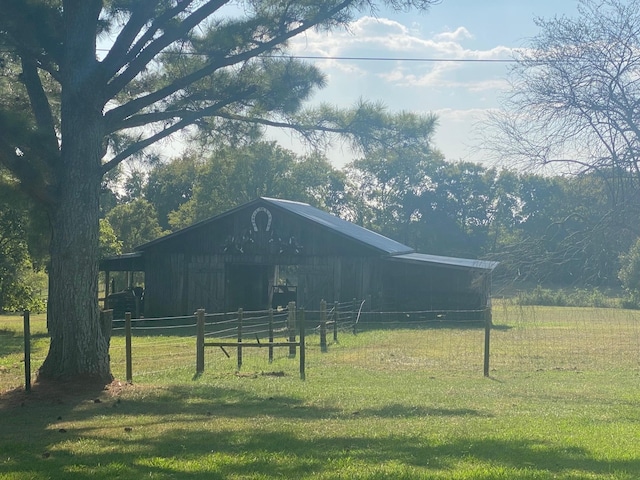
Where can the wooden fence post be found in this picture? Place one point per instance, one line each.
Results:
(127, 346)
(302, 345)
(27, 350)
(291, 327)
(487, 339)
(271, 335)
(199, 341)
(323, 326)
(239, 338)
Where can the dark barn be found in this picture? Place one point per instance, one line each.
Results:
(269, 251)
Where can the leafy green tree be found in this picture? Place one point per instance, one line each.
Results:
(555, 234)
(172, 64)
(169, 185)
(629, 273)
(109, 243)
(14, 256)
(232, 176)
(393, 173)
(312, 179)
(134, 223)
(24, 237)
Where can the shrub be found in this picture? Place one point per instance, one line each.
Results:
(566, 298)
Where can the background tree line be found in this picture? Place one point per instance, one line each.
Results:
(545, 230)
(541, 228)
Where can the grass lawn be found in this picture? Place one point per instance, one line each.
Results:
(406, 403)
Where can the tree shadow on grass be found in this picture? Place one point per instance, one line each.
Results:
(12, 342)
(207, 432)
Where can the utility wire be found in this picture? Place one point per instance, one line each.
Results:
(361, 59)
(401, 59)
(371, 59)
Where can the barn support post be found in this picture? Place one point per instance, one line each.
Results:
(302, 345)
(323, 326)
(127, 346)
(271, 335)
(487, 338)
(27, 350)
(291, 327)
(199, 341)
(240, 314)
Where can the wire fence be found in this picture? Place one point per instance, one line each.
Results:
(522, 340)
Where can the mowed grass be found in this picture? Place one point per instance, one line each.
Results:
(561, 402)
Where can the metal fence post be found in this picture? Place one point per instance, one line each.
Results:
(487, 339)
(27, 351)
(291, 326)
(302, 345)
(323, 326)
(240, 338)
(354, 309)
(271, 335)
(200, 341)
(127, 333)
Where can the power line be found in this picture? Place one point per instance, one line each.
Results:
(373, 59)
(401, 59)
(359, 59)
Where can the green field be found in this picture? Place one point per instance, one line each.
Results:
(561, 402)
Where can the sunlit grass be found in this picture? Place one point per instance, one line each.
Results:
(561, 402)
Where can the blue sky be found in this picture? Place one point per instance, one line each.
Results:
(459, 93)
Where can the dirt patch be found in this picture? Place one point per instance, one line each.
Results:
(55, 393)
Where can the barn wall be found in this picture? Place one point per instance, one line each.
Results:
(194, 269)
(165, 285)
(430, 287)
(191, 270)
(179, 284)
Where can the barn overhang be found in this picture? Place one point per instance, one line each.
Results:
(128, 262)
(441, 261)
(417, 281)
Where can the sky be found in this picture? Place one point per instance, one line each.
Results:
(459, 93)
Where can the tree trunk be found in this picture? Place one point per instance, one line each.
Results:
(78, 349)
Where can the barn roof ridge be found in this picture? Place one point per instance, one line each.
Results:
(340, 226)
(196, 225)
(391, 249)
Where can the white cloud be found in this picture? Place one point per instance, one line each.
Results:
(458, 92)
(457, 35)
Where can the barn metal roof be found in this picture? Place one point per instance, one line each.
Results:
(343, 227)
(422, 258)
(393, 250)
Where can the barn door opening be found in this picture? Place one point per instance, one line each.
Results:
(285, 286)
(248, 286)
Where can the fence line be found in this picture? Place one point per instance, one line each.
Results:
(520, 339)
